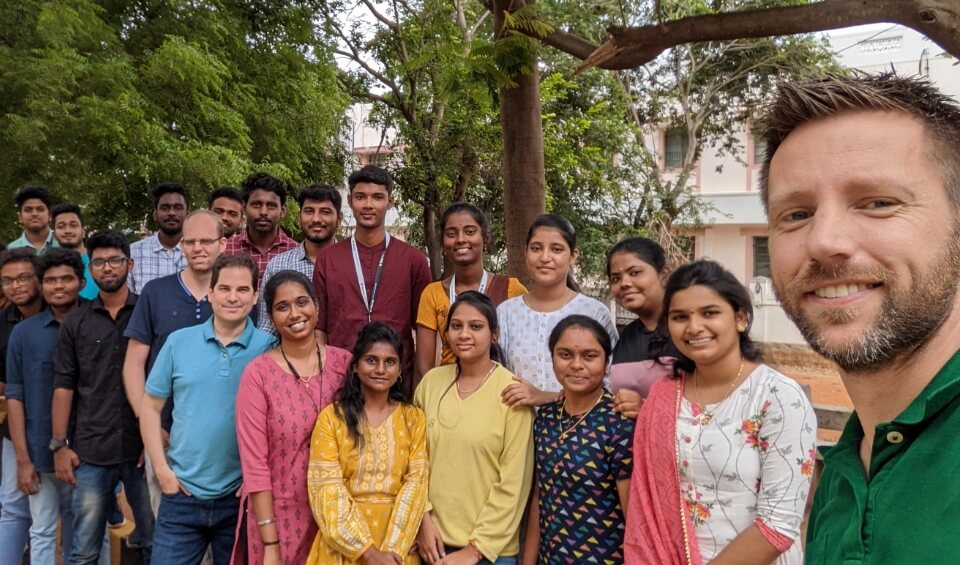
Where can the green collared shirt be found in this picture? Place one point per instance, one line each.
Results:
(22, 241)
(906, 511)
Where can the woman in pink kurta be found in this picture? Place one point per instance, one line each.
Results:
(280, 395)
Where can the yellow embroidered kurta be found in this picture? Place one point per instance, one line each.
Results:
(369, 496)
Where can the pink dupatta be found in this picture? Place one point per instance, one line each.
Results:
(659, 528)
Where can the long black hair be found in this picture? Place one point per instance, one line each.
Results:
(567, 231)
(349, 403)
(711, 275)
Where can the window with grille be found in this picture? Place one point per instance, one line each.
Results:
(675, 144)
(761, 257)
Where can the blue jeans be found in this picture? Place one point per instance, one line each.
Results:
(15, 514)
(186, 525)
(50, 503)
(93, 500)
(502, 560)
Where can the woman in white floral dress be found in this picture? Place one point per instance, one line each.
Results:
(743, 436)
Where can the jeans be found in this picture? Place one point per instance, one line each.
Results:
(93, 500)
(15, 514)
(186, 525)
(50, 503)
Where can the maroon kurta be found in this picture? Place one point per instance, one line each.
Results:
(342, 312)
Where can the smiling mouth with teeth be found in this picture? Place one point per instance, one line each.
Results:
(699, 340)
(842, 290)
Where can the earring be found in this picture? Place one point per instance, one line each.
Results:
(741, 328)
(400, 379)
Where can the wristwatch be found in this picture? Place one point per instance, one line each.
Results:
(56, 444)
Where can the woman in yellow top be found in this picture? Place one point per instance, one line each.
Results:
(367, 478)
(481, 450)
(465, 232)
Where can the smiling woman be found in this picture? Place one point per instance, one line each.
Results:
(739, 434)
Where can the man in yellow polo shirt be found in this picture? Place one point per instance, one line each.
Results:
(862, 189)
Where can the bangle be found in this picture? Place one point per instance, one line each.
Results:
(266, 522)
(268, 543)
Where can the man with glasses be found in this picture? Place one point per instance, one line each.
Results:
(168, 304)
(30, 358)
(18, 278)
(160, 255)
(106, 445)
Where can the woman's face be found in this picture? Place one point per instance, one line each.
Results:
(579, 361)
(293, 312)
(463, 239)
(469, 334)
(703, 325)
(379, 367)
(635, 284)
(549, 258)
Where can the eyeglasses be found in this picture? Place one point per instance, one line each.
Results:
(21, 280)
(193, 242)
(114, 262)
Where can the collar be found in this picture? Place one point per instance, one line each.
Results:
(243, 238)
(243, 340)
(50, 241)
(153, 244)
(45, 317)
(12, 314)
(97, 302)
(939, 392)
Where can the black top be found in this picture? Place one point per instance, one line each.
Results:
(634, 344)
(89, 361)
(9, 317)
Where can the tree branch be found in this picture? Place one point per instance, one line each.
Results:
(383, 19)
(636, 46)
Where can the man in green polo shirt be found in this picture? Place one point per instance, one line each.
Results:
(862, 190)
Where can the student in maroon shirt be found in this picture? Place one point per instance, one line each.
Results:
(370, 276)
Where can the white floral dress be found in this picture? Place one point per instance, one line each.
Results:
(752, 462)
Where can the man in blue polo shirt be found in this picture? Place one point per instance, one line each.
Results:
(168, 304)
(199, 368)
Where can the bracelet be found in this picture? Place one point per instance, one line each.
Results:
(268, 543)
(266, 522)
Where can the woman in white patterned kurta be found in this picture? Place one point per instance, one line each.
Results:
(526, 321)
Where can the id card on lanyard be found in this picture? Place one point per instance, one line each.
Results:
(453, 286)
(368, 301)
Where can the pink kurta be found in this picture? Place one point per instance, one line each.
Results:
(276, 414)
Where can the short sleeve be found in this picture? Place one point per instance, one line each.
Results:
(140, 327)
(65, 362)
(160, 380)
(515, 288)
(427, 311)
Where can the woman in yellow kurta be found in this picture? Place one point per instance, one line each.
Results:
(367, 477)
(481, 450)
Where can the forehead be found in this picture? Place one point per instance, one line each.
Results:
(467, 312)
(59, 271)
(845, 155)
(16, 267)
(67, 218)
(369, 189)
(548, 235)
(461, 219)
(107, 252)
(578, 337)
(33, 203)
(623, 260)
(235, 276)
(380, 349)
(171, 198)
(225, 202)
(261, 195)
(695, 297)
(290, 290)
(200, 226)
(312, 203)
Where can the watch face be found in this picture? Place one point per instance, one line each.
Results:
(56, 444)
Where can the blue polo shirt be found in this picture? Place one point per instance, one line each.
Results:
(30, 380)
(202, 376)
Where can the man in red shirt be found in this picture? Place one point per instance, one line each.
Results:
(370, 276)
(265, 201)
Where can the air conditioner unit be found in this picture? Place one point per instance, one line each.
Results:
(761, 289)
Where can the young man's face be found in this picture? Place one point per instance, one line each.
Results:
(264, 211)
(109, 268)
(68, 230)
(34, 215)
(231, 214)
(864, 243)
(319, 220)
(19, 282)
(170, 213)
(232, 297)
(369, 203)
(61, 285)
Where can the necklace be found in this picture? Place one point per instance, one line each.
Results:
(708, 414)
(306, 381)
(562, 408)
(462, 392)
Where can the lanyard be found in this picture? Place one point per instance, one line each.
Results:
(368, 301)
(453, 286)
